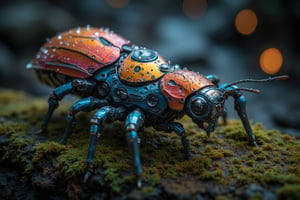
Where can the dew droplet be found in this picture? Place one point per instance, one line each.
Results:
(78, 31)
(88, 27)
(45, 51)
(60, 42)
(28, 66)
(59, 37)
(54, 49)
(96, 33)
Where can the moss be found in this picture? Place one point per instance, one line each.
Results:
(225, 158)
(275, 177)
(289, 192)
(8, 97)
(227, 152)
(236, 161)
(50, 147)
(222, 197)
(10, 127)
(113, 176)
(256, 196)
(151, 176)
(146, 191)
(212, 175)
(20, 139)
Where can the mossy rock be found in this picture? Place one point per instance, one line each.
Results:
(222, 166)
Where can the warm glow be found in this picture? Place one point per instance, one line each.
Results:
(246, 21)
(117, 3)
(271, 60)
(194, 8)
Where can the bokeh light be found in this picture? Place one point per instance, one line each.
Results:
(194, 8)
(271, 60)
(118, 3)
(246, 21)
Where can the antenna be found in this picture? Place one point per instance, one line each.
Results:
(283, 77)
(225, 92)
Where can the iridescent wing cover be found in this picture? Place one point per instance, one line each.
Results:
(79, 52)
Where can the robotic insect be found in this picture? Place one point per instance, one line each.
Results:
(124, 82)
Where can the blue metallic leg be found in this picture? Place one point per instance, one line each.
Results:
(57, 95)
(86, 104)
(240, 107)
(224, 116)
(76, 85)
(133, 122)
(105, 113)
(179, 130)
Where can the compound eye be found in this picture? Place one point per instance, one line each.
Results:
(199, 106)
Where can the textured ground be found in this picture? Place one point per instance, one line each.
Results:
(222, 167)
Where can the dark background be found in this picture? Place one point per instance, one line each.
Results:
(200, 38)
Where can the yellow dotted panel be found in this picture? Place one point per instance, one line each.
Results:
(133, 71)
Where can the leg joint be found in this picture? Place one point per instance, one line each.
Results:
(70, 118)
(131, 127)
(81, 85)
(96, 120)
(172, 126)
(53, 101)
(131, 136)
(134, 120)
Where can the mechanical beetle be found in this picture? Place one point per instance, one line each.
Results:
(133, 84)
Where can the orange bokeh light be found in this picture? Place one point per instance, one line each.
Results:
(118, 3)
(271, 60)
(246, 21)
(194, 8)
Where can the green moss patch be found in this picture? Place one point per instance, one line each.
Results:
(225, 159)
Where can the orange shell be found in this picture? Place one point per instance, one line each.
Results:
(133, 71)
(178, 85)
(79, 52)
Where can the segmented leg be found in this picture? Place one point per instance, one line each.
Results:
(105, 113)
(133, 122)
(77, 85)
(86, 104)
(180, 131)
(240, 107)
(224, 116)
